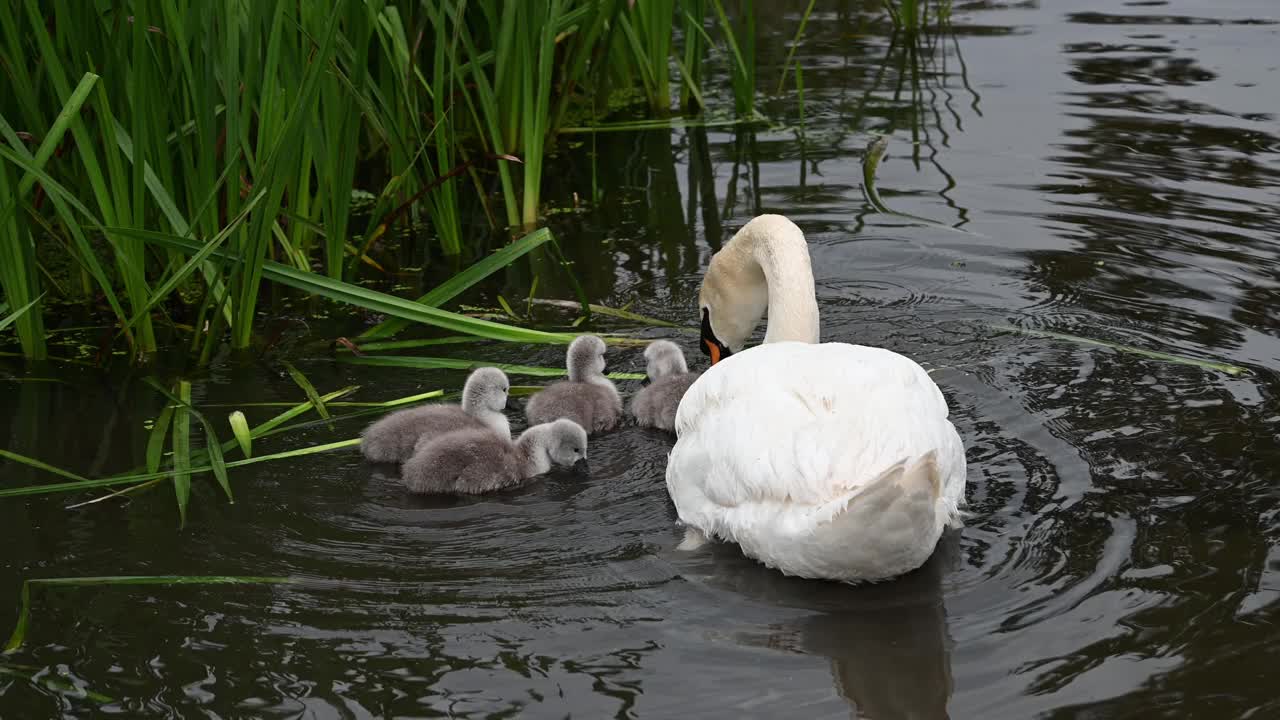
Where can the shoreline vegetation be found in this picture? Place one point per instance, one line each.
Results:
(165, 163)
(175, 158)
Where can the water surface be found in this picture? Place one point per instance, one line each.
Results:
(1103, 169)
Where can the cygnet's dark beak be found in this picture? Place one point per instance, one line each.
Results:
(580, 465)
(512, 404)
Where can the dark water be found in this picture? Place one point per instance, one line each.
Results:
(1114, 172)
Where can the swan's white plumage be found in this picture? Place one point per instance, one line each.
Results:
(825, 460)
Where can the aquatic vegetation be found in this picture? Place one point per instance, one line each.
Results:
(221, 153)
(912, 15)
(184, 460)
(19, 634)
(440, 363)
(1215, 365)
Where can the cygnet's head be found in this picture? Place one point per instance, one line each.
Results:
(662, 358)
(585, 358)
(566, 442)
(486, 389)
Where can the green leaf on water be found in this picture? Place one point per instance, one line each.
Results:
(605, 310)
(212, 448)
(85, 484)
(240, 427)
(1229, 369)
(406, 344)
(506, 307)
(308, 388)
(40, 465)
(182, 450)
(24, 614)
(437, 363)
(155, 441)
(297, 410)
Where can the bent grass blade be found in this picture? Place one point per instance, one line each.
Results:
(85, 483)
(1229, 369)
(438, 363)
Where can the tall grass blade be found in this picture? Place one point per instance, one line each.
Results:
(456, 285)
(742, 51)
(64, 201)
(196, 260)
(379, 302)
(795, 44)
(59, 127)
(13, 316)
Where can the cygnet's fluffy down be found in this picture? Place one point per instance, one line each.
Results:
(484, 397)
(587, 397)
(472, 462)
(669, 378)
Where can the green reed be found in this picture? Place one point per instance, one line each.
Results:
(189, 153)
(913, 15)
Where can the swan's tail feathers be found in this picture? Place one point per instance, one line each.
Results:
(920, 478)
(957, 520)
(924, 474)
(918, 484)
(693, 539)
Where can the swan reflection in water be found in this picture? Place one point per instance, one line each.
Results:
(888, 643)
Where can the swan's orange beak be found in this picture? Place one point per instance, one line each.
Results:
(713, 350)
(711, 345)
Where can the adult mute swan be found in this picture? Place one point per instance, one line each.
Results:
(822, 460)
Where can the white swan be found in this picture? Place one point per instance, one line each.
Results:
(822, 460)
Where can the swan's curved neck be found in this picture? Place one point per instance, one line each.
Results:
(778, 248)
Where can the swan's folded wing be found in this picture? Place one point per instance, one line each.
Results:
(801, 425)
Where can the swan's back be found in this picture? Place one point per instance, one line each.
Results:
(775, 444)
